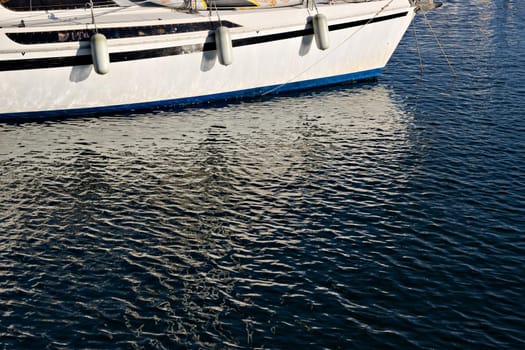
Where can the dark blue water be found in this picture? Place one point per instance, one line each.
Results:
(382, 215)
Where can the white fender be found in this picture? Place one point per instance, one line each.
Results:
(224, 46)
(322, 38)
(100, 53)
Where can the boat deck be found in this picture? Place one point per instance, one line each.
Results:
(138, 13)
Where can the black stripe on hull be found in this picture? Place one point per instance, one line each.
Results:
(55, 62)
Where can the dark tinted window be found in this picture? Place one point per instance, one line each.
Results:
(114, 33)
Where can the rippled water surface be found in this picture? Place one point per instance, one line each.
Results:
(383, 215)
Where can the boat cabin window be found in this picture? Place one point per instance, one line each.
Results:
(49, 37)
(43, 5)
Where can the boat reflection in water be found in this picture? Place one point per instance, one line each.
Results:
(205, 226)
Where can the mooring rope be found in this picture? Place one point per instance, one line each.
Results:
(439, 45)
(417, 48)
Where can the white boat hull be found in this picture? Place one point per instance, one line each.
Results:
(183, 68)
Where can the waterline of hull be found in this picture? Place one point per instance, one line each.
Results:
(200, 100)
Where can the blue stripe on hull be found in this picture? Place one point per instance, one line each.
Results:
(196, 100)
